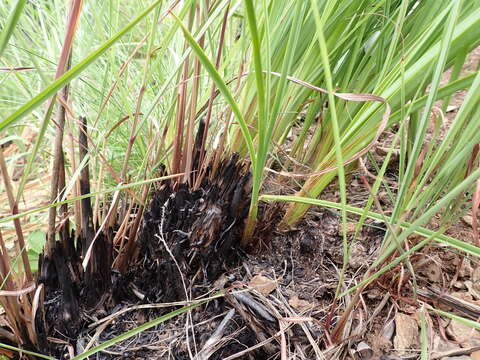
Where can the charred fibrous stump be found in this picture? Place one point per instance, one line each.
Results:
(69, 289)
(190, 237)
(70, 292)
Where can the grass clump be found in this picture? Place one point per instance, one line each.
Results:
(302, 90)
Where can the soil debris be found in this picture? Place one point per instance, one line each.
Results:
(406, 337)
(263, 284)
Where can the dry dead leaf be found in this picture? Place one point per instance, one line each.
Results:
(299, 304)
(465, 269)
(374, 294)
(441, 346)
(476, 283)
(451, 108)
(459, 285)
(475, 355)
(463, 334)
(468, 219)
(220, 282)
(475, 291)
(466, 296)
(476, 275)
(350, 226)
(7, 353)
(358, 256)
(406, 336)
(263, 284)
(434, 272)
(380, 345)
(363, 351)
(388, 330)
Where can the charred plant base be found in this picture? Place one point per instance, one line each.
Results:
(189, 237)
(279, 299)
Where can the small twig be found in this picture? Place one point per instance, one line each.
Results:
(338, 330)
(14, 209)
(283, 341)
(302, 321)
(153, 306)
(467, 308)
(283, 328)
(125, 257)
(372, 176)
(454, 352)
(88, 253)
(5, 266)
(85, 204)
(211, 345)
(97, 334)
(162, 239)
(18, 292)
(259, 345)
(247, 300)
(37, 301)
(377, 310)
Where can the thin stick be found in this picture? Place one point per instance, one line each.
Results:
(85, 204)
(63, 65)
(189, 148)
(56, 167)
(213, 94)
(455, 352)
(211, 345)
(14, 209)
(5, 264)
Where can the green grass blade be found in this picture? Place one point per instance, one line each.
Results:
(423, 336)
(467, 322)
(34, 152)
(262, 119)
(7, 31)
(336, 132)
(74, 71)
(423, 123)
(257, 60)
(22, 351)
